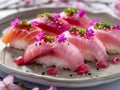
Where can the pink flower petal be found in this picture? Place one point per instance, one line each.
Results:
(2, 84)
(36, 88)
(8, 80)
(52, 88)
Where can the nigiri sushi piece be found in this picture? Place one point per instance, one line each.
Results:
(76, 17)
(91, 47)
(20, 34)
(51, 23)
(60, 53)
(109, 36)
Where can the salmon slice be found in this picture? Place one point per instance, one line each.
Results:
(20, 38)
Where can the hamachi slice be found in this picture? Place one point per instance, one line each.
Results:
(20, 38)
(64, 54)
(92, 49)
(52, 25)
(81, 21)
(110, 39)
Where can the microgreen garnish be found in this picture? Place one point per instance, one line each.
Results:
(102, 25)
(48, 15)
(70, 11)
(47, 38)
(72, 29)
(24, 24)
(39, 15)
(82, 32)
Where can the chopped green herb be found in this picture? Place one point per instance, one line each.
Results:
(70, 11)
(48, 37)
(107, 25)
(82, 31)
(48, 15)
(39, 15)
(73, 29)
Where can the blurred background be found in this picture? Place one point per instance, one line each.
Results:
(11, 6)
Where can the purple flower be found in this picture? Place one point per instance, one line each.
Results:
(40, 36)
(61, 38)
(52, 88)
(34, 23)
(89, 33)
(56, 15)
(7, 84)
(94, 21)
(117, 26)
(81, 12)
(15, 22)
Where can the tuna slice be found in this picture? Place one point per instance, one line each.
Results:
(110, 39)
(61, 55)
(92, 49)
(20, 38)
(52, 25)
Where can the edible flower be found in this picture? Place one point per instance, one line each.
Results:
(56, 15)
(81, 12)
(39, 37)
(89, 33)
(61, 38)
(15, 22)
(34, 23)
(94, 21)
(8, 84)
(117, 26)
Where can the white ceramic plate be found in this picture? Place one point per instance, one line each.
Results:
(65, 78)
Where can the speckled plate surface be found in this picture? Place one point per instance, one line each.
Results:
(65, 78)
